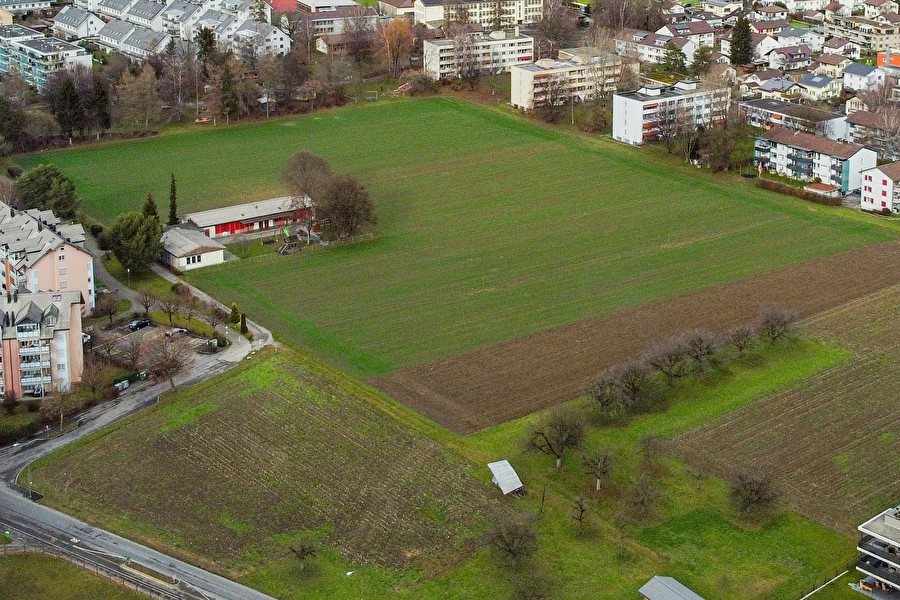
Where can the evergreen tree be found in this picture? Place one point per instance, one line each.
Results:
(149, 209)
(741, 42)
(46, 188)
(135, 239)
(259, 12)
(230, 100)
(674, 60)
(68, 109)
(235, 316)
(702, 60)
(96, 106)
(173, 203)
(206, 47)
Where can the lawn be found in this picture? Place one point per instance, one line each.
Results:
(29, 576)
(207, 463)
(490, 227)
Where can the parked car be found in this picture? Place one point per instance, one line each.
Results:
(139, 324)
(85, 338)
(176, 331)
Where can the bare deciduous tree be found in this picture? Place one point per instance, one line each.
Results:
(644, 495)
(304, 551)
(170, 359)
(514, 538)
(559, 430)
(598, 464)
(776, 324)
(741, 339)
(580, 508)
(669, 359)
(133, 349)
(700, 346)
(215, 315)
(170, 305)
(95, 376)
(305, 175)
(147, 301)
(106, 306)
(606, 391)
(752, 490)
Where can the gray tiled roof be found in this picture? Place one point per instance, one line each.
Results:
(71, 16)
(146, 9)
(115, 5)
(117, 30)
(858, 69)
(145, 39)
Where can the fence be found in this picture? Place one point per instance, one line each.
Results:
(831, 580)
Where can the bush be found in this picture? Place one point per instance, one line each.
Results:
(96, 230)
(14, 171)
(102, 241)
(790, 190)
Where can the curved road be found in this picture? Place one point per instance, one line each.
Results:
(39, 524)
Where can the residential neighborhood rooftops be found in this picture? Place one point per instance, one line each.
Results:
(71, 16)
(244, 212)
(13, 32)
(45, 45)
(809, 141)
(116, 30)
(667, 588)
(836, 42)
(892, 171)
(399, 3)
(115, 5)
(146, 9)
(145, 39)
(811, 80)
(25, 236)
(791, 109)
(823, 187)
(832, 59)
(882, 119)
(50, 310)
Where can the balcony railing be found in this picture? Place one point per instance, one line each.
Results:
(34, 350)
(879, 569)
(870, 545)
(34, 380)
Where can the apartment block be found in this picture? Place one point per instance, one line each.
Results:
(42, 254)
(881, 188)
(766, 113)
(496, 52)
(869, 34)
(638, 116)
(489, 14)
(42, 347)
(879, 131)
(805, 157)
(880, 549)
(36, 57)
(584, 75)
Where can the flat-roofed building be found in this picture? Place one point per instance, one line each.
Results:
(880, 548)
(582, 75)
(495, 52)
(252, 216)
(36, 57)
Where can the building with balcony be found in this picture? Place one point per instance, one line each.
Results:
(652, 47)
(20, 7)
(639, 116)
(495, 52)
(583, 75)
(881, 188)
(39, 253)
(867, 33)
(486, 13)
(805, 157)
(879, 131)
(42, 347)
(35, 57)
(880, 549)
(766, 113)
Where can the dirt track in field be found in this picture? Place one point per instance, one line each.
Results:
(480, 388)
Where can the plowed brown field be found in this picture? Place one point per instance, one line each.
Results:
(497, 383)
(832, 444)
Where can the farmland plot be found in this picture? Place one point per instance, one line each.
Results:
(236, 469)
(831, 444)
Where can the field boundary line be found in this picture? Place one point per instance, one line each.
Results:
(824, 585)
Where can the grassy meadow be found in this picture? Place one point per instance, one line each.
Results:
(490, 227)
(29, 576)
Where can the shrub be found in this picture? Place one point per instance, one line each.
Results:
(14, 171)
(96, 229)
(790, 190)
(776, 324)
(752, 490)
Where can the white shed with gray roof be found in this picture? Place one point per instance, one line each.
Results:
(667, 588)
(505, 477)
(185, 249)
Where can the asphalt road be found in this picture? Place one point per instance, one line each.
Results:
(39, 524)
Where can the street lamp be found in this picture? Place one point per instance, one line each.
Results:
(128, 271)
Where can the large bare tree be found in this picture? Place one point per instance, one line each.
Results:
(557, 432)
(170, 359)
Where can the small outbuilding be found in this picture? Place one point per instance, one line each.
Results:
(667, 588)
(185, 249)
(505, 477)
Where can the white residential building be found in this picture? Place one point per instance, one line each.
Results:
(721, 8)
(260, 39)
(312, 6)
(36, 57)
(838, 45)
(881, 188)
(492, 53)
(769, 13)
(651, 48)
(880, 548)
(862, 78)
(397, 8)
(146, 13)
(799, 6)
(793, 36)
(72, 23)
(876, 8)
(637, 115)
(762, 44)
(114, 9)
(582, 75)
(805, 157)
(18, 7)
(480, 12)
(335, 21)
(790, 58)
(868, 33)
(699, 32)
(817, 88)
(186, 249)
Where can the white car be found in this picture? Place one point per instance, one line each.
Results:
(176, 332)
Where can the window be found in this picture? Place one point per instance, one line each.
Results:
(51, 320)
(62, 271)
(62, 257)
(884, 192)
(63, 284)
(884, 182)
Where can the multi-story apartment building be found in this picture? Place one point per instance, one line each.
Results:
(325, 22)
(880, 548)
(766, 113)
(640, 116)
(869, 34)
(651, 48)
(35, 57)
(583, 76)
(42, 348)
(881, 188)
(488, 13)
(18, 7)
(879, 131)
(805, 157)
(39, 253)
(495, 52)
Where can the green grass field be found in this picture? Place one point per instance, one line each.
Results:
(490, 227)
(30, 576)
(225, 519)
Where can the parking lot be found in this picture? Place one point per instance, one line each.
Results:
(123, 342)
